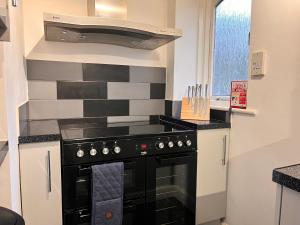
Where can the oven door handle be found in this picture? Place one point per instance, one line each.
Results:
(87, 170)
(174, 160)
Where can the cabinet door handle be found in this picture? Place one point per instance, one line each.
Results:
(49, 172)
(224, 150)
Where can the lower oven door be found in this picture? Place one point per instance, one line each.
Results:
(77, 184)
(171, 189)
(133, 214)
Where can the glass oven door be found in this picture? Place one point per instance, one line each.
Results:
(133, 214)
(171, 189)
(77, 184)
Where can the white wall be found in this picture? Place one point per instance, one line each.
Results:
(16, 93)
(271, 139)
(5, 200)
(182, 55)
(151, 12)
(3, 122)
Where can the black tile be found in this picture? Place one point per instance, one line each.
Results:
(100, 108)
(157, 91)
(81, 90)
(220, 115)
(108, 73)
(169, 108)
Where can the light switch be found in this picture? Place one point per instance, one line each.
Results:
(258, 63)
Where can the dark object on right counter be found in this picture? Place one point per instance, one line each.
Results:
(8, 217)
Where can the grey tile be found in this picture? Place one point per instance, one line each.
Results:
(81, 90)
(42, 90)
(147, 107)
(100, 108)
(158, 91)
(176, 109)
(118, 90)
(103, 72)
(56, 109)
(121, 119)
(147, 74)
(53, 70)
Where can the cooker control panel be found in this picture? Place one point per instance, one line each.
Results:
(112, 149)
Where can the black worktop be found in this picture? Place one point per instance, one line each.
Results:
(199, 125)
(288, 176)
(3, 150)
(35, 131)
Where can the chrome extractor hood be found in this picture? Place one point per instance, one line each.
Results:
(107, 23)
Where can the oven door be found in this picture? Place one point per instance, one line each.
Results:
(133, 214)
(77, 184)
(171, 189)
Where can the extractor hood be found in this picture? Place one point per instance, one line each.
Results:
(107, 24)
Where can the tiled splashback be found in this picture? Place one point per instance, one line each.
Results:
(73, 90)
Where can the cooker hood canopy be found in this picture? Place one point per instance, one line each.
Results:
(107, 24)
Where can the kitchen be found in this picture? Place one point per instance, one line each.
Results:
(261, 138)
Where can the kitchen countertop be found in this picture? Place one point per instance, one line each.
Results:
(39, 131)
(3, 150)
(199, 125)
(35, 131)
(288, 176)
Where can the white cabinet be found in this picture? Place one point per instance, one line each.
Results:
(213, 147)
(290, 207)
(40, 169)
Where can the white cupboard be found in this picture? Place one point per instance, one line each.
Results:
(40, 169)
(290, 207)
(213, 154)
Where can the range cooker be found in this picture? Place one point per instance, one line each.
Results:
(159, 170)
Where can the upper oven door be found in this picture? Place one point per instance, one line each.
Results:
(171, 189)
(77, 183)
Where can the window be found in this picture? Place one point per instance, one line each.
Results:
(231, 44)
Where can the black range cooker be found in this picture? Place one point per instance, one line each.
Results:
(160, 162)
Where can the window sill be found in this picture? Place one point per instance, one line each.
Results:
(224, 106)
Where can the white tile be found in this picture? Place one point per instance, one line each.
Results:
(147, 74)
(56, 109)
(42, 90)
(118, 90)
(146, 107)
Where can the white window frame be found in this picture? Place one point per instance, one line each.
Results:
(206, 44)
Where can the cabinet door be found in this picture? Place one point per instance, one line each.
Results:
(290, 207)
(41, 183)
(212, 165)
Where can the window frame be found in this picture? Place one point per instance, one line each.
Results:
(206, 47)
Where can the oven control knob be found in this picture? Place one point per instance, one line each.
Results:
(160, 145)
(179, 144)
(80, 153)
(170, 144)
(188, 143)
(105, 151)
(117, 150)
(93, 152)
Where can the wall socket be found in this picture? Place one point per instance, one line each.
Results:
(258, 63)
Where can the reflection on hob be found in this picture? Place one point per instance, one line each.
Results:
(87, 131)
